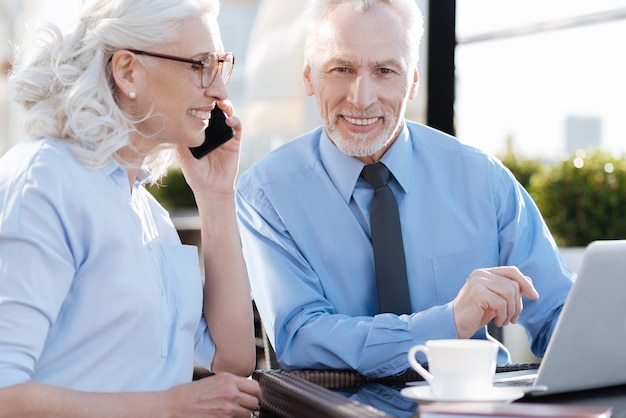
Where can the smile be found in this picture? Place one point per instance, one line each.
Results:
(200, 114)
(361, 122)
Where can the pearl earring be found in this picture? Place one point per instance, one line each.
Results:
(132, 95)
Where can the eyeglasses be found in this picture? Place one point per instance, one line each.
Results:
(208, 68)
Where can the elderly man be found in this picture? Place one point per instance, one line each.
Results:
(473, 246)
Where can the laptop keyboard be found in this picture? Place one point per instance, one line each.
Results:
(516, 367)
(516, 382)
(516, 375)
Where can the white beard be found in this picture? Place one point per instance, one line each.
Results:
(360, 145)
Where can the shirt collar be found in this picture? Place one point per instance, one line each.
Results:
(344, 171)
(114, 169)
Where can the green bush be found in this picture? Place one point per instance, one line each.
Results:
(583, 198)
(172, 191)
(523, 169)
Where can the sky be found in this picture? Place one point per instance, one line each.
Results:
(526, 87)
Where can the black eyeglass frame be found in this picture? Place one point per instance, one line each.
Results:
(217, 58)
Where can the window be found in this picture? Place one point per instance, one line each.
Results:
(542, 77)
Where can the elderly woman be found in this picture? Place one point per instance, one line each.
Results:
(103, 311)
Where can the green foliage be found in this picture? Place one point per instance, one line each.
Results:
(583, 198)
(173, 192)
(523, 169)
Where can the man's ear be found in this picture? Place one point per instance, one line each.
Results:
(306, 77)
(414, 84)
(124, 66)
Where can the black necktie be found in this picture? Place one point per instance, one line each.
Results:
(391, 278)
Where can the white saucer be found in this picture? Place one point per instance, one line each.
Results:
(423, 394)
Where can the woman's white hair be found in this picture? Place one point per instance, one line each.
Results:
(409, 15)
(64, 80)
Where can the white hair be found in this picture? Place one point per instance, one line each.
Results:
(64, 80)
(409, 15)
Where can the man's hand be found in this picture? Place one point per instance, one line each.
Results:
(491, 293)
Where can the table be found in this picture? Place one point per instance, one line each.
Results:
(347, 394)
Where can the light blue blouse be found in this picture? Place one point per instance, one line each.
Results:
(97, 293)
(304, 220)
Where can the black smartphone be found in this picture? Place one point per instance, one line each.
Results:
(215, 134)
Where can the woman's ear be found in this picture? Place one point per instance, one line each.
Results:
(124, 69)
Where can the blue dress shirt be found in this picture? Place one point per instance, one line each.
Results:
(96, 291)
(303, 213)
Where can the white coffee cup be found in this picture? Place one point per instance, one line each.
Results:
(457, 369)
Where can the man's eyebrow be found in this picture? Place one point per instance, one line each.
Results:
(393, 63)
(339, 62)
(386, 63)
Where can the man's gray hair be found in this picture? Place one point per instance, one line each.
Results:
(409, 16)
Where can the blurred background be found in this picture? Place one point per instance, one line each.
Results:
(541, 77)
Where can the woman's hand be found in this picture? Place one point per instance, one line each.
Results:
(217, 171)
(222, 395)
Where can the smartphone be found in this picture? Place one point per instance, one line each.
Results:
(215, 134)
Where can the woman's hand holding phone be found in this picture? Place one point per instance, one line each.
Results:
(216, 134)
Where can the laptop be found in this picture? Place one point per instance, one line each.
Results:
(588, 347)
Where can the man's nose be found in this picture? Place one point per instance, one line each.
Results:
(362, 93)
